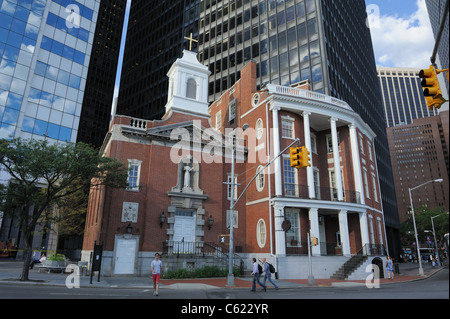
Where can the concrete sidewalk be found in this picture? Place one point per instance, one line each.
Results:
(10, 272)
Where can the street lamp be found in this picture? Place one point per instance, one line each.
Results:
(440, 180)
(435, 242)
(230, 278)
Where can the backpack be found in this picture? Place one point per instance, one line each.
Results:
(260, 270)
(271, 268)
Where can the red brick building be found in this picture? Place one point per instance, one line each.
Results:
(177, 201)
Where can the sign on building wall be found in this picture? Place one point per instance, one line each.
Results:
(130, 212)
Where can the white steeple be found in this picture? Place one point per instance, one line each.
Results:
(188, 86)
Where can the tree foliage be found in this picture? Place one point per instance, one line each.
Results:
(43, 175)
(424, 226)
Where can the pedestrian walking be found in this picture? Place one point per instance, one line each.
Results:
(267, 274)
(255, 274)
(157, 271)
(390, 267)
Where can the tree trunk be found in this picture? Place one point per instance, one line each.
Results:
(28, 241)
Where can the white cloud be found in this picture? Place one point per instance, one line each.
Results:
(403, 42)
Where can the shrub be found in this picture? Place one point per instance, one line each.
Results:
(58, 257)
(205, 272)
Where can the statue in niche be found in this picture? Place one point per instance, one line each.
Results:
(187, 176)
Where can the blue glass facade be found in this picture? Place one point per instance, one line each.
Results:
(45, 48)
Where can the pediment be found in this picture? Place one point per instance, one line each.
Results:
(197, 132)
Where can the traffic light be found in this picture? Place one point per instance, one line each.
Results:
(299, 157)
(295, 156)
(432, 89)
(314, 241)
(305, 159)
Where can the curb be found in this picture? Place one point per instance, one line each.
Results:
(191, 286)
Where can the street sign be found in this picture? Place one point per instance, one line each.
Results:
(223, 239)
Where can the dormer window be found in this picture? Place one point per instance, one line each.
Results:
(191, 89)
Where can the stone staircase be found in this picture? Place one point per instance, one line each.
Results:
(349, 266)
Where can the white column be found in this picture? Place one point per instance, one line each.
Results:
(309, 170)
(276, 151)
(280, 237)
(357, 173)
(364, 231)
(343, 229)
(314, 229)
(336, 159)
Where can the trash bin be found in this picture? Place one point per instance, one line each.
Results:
(396, 268)
(82, 265)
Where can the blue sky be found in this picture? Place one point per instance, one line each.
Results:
(401, 33)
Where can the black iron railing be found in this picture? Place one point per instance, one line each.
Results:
(301, 248)
(322, 193)
(372, 250)
(203, 249)
(333, 249)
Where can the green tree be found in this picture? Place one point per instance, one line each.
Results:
(423, 216)
(43, 175)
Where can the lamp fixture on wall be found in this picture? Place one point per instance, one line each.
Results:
(210, 222)
(129, 229)
(162, 219)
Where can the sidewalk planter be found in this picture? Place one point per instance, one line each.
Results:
(58, 263)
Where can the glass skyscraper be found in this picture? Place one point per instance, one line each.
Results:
(45, 49)
(325, 42)
(403, 98)
(436, 11)
(155, 39)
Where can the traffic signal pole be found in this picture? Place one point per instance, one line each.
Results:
(297, 140)
(439, 35)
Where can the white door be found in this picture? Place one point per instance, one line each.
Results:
(184, 234)
(125, 256)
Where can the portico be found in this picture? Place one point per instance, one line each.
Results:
(339, 229)
(327, 199)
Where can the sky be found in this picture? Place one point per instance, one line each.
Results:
(401, 33)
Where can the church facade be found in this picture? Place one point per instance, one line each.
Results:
(180, 180)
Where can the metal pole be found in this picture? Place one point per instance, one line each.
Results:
(440, 180)
(230, 278)
(415, 234)
(310, 276)
(435, 242)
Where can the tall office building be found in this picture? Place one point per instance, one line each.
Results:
(403, 98)
(57, 68)
(436, 11)
(45, 48)
(419, 155)
(155, 39)
(324, 42)
(100, 81)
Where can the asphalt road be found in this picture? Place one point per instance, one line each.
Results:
(435, 287)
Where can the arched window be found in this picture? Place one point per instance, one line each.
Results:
(191, 89)
(261, 233)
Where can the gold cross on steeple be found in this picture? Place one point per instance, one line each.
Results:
(191, 39)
